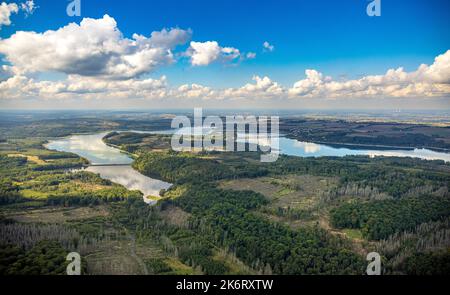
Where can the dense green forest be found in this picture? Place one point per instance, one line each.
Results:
(380, 219)
(380, 197)
(228, 218)
(184, 167)
(46, 258)
(134, 142)
(374, 134)
(226, 222)
(294, 216)
(434, 263)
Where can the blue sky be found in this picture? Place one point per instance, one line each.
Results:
(336, 38)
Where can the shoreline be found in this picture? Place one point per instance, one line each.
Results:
(382, 147)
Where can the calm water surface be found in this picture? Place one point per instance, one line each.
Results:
(297, 148)
(93, 148)
(308, 149)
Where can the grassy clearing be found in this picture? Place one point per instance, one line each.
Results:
(175, 192)
(285, 191)
(34, 159)
(34, 194)
(295, 200)
(295, 191)
(179, 268)
(354, 234)
(57, 215)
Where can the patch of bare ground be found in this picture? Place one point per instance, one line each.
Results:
(296, 200)
(34, 159)
(359, 245)
(57, 214)
(175, 216)
(295, 191)
(114, 258)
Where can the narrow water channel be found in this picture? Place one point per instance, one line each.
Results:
(110, 163)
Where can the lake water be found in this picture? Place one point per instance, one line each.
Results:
(297, 148)
(92, 148)
(131, 179)
(308, 149)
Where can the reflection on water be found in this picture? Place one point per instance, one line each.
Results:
(307, 149)
(294, 147)
(92, 148)
(131, 179)
(97, 152)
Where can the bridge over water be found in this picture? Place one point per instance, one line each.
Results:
(108, 165)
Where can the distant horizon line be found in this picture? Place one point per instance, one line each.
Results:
(228, 109)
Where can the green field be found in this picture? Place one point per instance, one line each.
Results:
(227, 213)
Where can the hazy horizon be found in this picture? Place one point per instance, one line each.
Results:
(166, 58)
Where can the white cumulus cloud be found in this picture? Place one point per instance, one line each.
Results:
(268, 47)
(6, 10)
(263, 87)
(28, 7)
(100, 63)
(193, 91)
(166, 38)
(83, 88)
(93, 48)
(427, 81)
(205, 53)
(250, 55)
